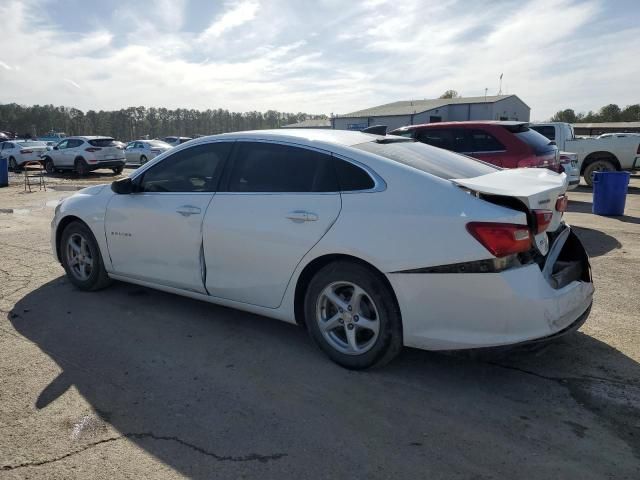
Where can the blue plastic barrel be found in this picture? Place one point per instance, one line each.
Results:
(610, 192)
(4, 172)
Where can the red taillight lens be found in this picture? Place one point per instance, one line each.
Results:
(501, 239)
(561, 203)
(26, 151)
(543, 219)
(92, 149)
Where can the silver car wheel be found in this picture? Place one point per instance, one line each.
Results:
(348, 318)
(79, 258)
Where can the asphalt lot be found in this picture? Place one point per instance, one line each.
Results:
(134, 383)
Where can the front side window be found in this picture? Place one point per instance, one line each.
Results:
(270, 167)
(481, 141)
(195, 169)
(63, 144)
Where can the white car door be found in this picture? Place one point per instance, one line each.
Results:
(155, 233)
(57, 154)
(275, 203)
(129, 153)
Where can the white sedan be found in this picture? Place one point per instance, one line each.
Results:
(370, 242)
(140, 152)
(19, 152)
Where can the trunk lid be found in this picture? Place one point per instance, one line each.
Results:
(533, 188)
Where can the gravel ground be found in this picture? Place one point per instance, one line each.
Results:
(134, 383)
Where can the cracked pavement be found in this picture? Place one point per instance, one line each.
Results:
(134, 383)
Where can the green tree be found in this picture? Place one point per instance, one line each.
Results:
(450, 94)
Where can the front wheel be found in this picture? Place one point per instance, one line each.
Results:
(13, 165)
(117, 170)
(81, 258)
(49, 166)
(597, 166)
(352, 316)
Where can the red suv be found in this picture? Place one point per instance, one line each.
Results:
(505, 144)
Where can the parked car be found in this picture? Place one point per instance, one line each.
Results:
(594, 154)
(52, 136)
(141, 151)
(372, 242)
(19, 152)
(505, 144)
(84, 154)
(621, 134)
(175, 141)
(569, 164)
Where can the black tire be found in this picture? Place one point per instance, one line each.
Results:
(97, 278)
(143, 160)
(13, 165)
(49, 166)
(81, 167)
(117, 170)
(388, 343)
(599, 165)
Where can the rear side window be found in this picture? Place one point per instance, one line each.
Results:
(438, 162)
(352, 178)
(270, 167)
(539, 143)
(454, 139)
(195, 169)
(546, 130)
(481, 141)
(103, 142)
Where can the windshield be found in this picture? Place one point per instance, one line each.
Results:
(438, 162)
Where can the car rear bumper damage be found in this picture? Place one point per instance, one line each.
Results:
(537, 301)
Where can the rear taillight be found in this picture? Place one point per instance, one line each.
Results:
(501, 239)
(543, 219)
(92, 149)
(526, 163)
(26, 151)
(561, 203)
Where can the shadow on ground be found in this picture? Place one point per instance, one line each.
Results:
(587, 207)
(211, 391)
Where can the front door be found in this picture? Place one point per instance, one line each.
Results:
(155, 234)
(276, 204)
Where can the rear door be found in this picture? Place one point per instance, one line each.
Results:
(277, 202)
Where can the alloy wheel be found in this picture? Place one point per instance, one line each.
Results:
(348, 318)
(79, 257)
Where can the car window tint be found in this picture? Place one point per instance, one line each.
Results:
(438, 162)
(454, 139)
(269, 167)
(63, 144)
(74, 143)
(103, 142)
(481, 141)
(548, 131)
(351, 177)
(195, 169)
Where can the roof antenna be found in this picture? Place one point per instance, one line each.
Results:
(485, 93)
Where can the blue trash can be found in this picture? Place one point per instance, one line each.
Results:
(4, 172)
(610, 192)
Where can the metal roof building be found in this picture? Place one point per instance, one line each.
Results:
(320, 123)
(412, 112)
(607, 127)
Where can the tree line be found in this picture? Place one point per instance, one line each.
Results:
(137, 122)
(608, 113)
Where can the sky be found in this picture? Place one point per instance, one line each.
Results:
(324, 56)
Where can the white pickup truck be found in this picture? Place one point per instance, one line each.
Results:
(594, 154)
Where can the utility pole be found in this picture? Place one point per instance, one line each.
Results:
(500, 89)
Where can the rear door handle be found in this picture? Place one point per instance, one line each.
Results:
(299, 216)
(186, 210)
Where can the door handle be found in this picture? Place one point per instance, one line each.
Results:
(299, 216)
(186, 210)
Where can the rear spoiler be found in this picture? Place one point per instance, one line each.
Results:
(376, 130)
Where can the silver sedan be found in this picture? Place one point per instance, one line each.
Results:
(140, 152)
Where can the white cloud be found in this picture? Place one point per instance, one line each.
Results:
(343, 57)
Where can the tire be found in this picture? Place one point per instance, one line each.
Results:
(80, 167)
(49, 166)
(13, 165)
(85, 252)
(378, 305)
(118, 170)
(597, 166)
(143, 160)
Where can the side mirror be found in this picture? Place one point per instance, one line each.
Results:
(55, 148)
(123, 186)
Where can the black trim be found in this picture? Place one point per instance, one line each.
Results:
(493, 265)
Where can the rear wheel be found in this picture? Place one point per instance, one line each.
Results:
(49, 166)
(81, 167)
(597, 166)
(81, 258)
(352, 316)
(117, 170)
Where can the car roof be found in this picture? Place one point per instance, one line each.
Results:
(86, 137)
(469, 123)
(306, 135)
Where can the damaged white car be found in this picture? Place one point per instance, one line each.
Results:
(370, 242)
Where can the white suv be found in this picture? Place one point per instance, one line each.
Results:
(83, 154)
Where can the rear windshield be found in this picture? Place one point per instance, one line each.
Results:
(103, 142)
(535, 140)
(438, 162)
